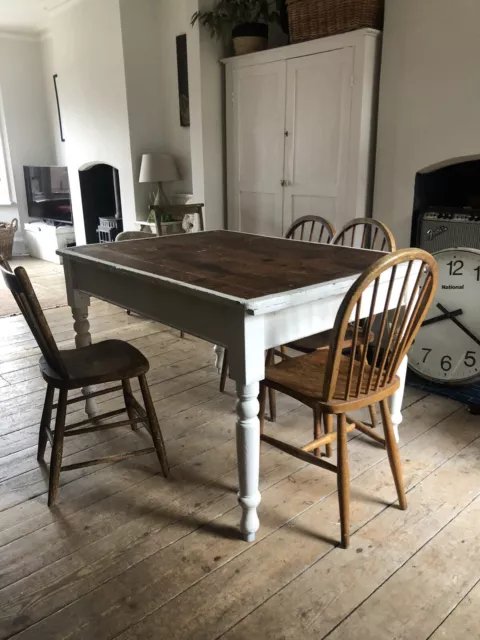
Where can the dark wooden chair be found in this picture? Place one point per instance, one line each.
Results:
(309, 229)
(70, 369)
(334, 384)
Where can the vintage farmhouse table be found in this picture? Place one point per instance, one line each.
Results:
(240, 291)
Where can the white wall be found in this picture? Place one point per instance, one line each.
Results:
(147, 99)
(429, 98)
(26, 117)
(86, 51)
(174, 20)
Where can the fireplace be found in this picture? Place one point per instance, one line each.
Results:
(100, 189)
(446, 209)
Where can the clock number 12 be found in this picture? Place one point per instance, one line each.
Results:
(456, 268)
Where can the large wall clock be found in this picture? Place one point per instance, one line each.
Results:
(447, 347)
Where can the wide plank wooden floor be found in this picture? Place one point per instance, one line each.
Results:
(126, 554)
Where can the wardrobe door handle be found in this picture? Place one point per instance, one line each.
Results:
(283, 183)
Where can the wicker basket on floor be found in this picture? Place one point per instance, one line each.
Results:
(7, 233)
(310, 19)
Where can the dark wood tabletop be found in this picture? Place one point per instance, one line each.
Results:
(236, 264)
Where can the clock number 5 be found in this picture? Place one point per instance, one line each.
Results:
(470, 360)
(456, 267)
(446, 363)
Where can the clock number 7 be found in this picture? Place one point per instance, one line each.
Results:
(428, 351)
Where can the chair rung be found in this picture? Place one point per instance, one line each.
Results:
(101, 427)
(140, 411)
(368, 431)
(117, 458)
(298, 453)
(87, 396)
(49, 433)
(320, 442)
(103, 416)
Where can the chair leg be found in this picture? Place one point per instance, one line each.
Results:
(373, 415)
(328, 422)
(272, 401)
(224, 374)
(154, 426)
(393, 454)
(182, 334)
(317, 429)
(272, 396)
(45, 422)
(343, 479)
(262, 397)
(57, 451)
(127, 396)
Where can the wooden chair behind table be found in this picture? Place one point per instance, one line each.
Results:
(72, 369)
(364, 233)
(334, 384)
(190, 215)
(309, 229)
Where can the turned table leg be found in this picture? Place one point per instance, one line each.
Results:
(83, 338)
(248, 454)
(219, 355)
(397, 398)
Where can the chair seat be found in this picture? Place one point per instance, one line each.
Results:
(303, 378)
(108, 361)
(323, 341)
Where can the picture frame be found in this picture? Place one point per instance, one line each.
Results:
(182, 73)
(62, 137)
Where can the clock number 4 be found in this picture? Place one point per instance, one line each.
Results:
(456, 268)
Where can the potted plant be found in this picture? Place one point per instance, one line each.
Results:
(247, 20)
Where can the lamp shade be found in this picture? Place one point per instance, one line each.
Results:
(158, 167)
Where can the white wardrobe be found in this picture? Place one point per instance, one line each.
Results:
(301, 124)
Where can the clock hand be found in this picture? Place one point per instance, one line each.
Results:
(459, 324)
(443, 316)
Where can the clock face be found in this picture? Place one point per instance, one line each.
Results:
(447, 347)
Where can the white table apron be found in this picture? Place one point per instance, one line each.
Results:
(246, 327)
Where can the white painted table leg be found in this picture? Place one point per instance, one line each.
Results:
(397, 398)
(83, 338)
(219, 355)
(248, 453)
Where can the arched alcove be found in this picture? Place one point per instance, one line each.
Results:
(450, 186)
(100, 190)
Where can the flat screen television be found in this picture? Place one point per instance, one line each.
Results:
(48, 194)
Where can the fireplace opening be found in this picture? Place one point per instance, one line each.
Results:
(102, 208)
(446, 208)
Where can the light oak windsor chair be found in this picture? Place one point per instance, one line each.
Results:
(332, 383)
(364, 233)
(71, 369)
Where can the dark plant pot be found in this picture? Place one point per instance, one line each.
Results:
(250, 37)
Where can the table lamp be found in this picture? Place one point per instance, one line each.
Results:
(159, 168)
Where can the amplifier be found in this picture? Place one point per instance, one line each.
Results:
(446, 230)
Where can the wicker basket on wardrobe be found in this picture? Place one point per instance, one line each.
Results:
(7, 234)
(310, 19)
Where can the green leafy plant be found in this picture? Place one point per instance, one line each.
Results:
(230, 13)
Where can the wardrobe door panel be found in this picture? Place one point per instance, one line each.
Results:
(318, 113)
(259, 106)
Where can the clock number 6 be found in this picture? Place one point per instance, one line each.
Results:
(470, 360)
(446, 363)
